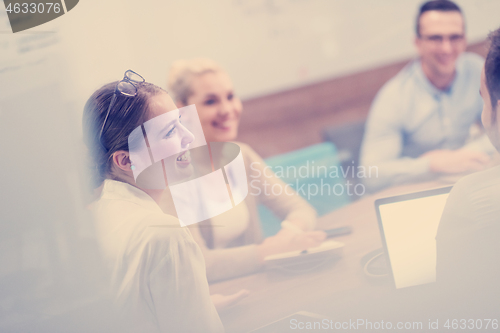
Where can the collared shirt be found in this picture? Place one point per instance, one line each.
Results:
(410, 117)
(159, 275)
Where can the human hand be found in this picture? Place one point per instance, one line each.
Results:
(301, 224)
(287, 240)
(456, 161)
(224, 301)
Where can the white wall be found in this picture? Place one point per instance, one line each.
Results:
(266, 45)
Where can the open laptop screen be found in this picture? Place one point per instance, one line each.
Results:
(408, 224)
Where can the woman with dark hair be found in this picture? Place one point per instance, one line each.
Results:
(158, 270)
(468, 247)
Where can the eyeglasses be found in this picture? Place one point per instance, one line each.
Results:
(438, 39)
(126, 87)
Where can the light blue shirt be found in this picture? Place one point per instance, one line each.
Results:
(410, 117)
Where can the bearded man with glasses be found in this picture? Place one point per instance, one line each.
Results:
(420, 121)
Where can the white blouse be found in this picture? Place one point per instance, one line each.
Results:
(159, 275)
(230, 225)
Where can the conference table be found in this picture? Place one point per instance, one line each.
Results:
(337, 288)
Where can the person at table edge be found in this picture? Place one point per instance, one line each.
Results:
(467, 246)
(420, 121)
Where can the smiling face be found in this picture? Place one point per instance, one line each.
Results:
(489, 115)
(168, 139)
(441, 41)
(218, 108)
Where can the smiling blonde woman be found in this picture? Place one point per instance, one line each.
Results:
(238, 248)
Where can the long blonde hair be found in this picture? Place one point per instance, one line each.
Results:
(181, 75)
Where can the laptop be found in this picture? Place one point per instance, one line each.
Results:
(408, 225)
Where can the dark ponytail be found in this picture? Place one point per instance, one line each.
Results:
(126, 114)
